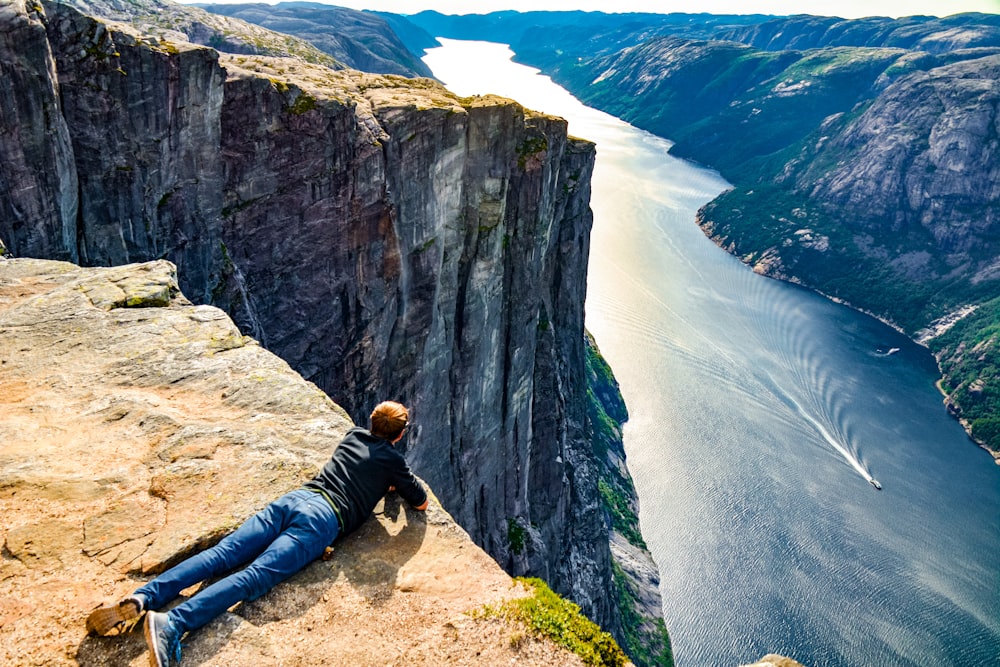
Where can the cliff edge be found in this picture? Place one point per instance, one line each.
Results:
(380, 234)
(139, 427)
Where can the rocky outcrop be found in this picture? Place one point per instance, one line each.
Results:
(362, 40)
(383, 236)
(443, 264)
(173, 22)
(139, 427)
(774, 660)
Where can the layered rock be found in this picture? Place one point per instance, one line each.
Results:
(148, 170)
(139, 427)
(383, 236)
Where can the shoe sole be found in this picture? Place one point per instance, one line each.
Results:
(122, 617)
(148, 631)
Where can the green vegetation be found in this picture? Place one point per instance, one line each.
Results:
(426, 245)
(969, 359)
(547, 615)
(644, 648)
(623, 518)
(606, 413)
(543, 321)
(165, 198)
(304, 103)
(646, 639)
(765, 219)
(531, 146)
(515, 536)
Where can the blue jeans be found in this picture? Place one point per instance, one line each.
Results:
(277, 542)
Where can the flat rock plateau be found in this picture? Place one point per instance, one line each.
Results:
(138, 428)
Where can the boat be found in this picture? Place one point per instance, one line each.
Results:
(874, 482)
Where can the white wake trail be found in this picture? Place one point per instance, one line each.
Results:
(834, 442)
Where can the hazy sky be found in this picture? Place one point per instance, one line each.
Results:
(843, 8)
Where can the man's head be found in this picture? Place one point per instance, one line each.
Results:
(389, 419)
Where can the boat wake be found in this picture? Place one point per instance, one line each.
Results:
(784, 397)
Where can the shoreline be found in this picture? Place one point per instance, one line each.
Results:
(921, 341)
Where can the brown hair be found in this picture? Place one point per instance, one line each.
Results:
(389, 419)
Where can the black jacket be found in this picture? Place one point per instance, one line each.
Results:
(360, 472)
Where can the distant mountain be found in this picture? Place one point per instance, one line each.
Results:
(916, 33)
(865, 154)
(362, 40)
(170, 22)
(555, 37)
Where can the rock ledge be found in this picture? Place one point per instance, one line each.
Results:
(138, 427)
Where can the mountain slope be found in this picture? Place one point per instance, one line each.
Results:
(173, 22)
(362, 40)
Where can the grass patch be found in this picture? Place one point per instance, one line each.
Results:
(546, 615)
(643, 648)
(531, 146)
(304, 103)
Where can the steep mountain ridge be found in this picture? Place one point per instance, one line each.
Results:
(916, 33)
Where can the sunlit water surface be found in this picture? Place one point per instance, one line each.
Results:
(758, 411)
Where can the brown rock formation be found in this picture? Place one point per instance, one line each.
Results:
(774, 660)
(138, 427)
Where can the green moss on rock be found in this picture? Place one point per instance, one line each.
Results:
(547, 615)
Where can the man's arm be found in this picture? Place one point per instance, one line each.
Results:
(421, 507)
(407, 485)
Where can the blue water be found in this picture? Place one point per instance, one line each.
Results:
(758, 412)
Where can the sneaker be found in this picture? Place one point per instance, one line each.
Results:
(118, 618)
(163, 639)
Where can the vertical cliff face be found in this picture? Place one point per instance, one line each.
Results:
(38, 208)
(383, 236)
(396, 241)
(112, 155)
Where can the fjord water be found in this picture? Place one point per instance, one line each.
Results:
(758, 411)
